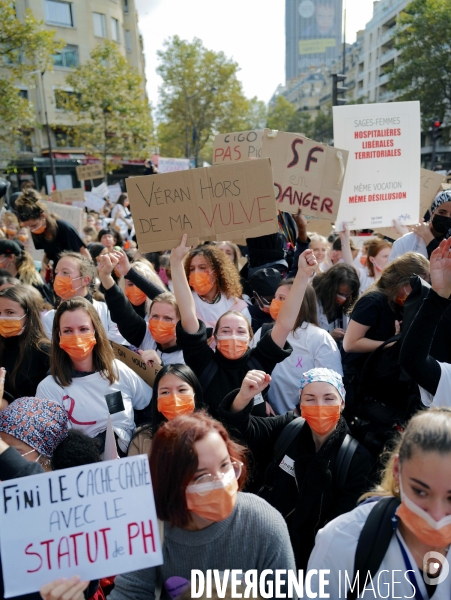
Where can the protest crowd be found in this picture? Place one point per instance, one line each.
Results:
(299, 413)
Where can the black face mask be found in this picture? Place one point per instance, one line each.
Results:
(441, 224)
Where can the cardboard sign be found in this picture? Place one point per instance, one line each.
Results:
(68, 196)
(224, 202)
(382, 180)
(307, 174)
(90, 521)
(170, 165)
(319, 226)
(136, 363)
(94, 171)
(72, 214)
(236, 147)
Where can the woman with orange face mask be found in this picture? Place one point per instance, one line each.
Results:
(411, 505)
(197, 474)
(303, 480)
(176, 392)
(154, 337)
(86, 379)
(24, 347)
(222, 371)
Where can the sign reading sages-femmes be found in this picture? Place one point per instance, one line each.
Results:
(238, 146)
(382, 180)
(223, 202)
(307, 174)
(93, 521)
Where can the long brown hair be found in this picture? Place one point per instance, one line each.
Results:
(308, 313)
(84, 265)
(33, 336)
(26, 269)
(326, 287)
(227, 277)
(29, 206)
(103, 357)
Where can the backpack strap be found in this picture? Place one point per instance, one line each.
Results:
(343, 460)
(208, 374)
(239, 305)
(373, 543)
(285, 439)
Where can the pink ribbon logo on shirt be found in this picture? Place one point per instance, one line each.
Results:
(71, 410)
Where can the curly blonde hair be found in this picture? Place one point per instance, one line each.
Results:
(227, 277)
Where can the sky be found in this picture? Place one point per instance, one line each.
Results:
(252, 32)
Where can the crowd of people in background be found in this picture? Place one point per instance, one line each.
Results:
(303, 392)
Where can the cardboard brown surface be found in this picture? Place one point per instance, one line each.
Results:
(319, 226)
(135, 362)
(94, 171)
(68, 196)
(224, 202)
(236, 147)
(429, 187)
(74, 215)
(307, 174)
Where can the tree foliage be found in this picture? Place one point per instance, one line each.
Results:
(109, 107)
(25, 47)
(200, 96)
(284, 116)
(423, 70)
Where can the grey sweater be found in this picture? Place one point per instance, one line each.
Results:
(255, 536)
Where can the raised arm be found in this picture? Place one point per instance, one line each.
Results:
(345, 237)
(290, 308)
(124, 268)
(182, 291)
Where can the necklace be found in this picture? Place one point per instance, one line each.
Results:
(426, 564)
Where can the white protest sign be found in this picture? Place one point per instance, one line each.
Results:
(72, 214)
(101, 190)
(170, 165)
(93, 521)
(114, 191)
(235, 147)
(382, 180)
(94, 202)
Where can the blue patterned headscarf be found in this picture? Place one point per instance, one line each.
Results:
(326, 376)
(42, 424)
(441, 198)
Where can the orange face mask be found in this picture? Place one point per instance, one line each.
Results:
(78, 347)
(11, 326)
(422, 525)
(274, 309)
(232, 347)
(162, 332)
(39, 229)
(63, 286)
(22, 238)
(363, 260)
(201, 282)
(217, 500)
(174, 405)
(401, 298)
(321, 419)
(135, 295)
(11, 232)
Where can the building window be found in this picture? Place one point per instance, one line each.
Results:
(99, 24)
(128, 40)
(59, 13)
(23, 94)
(115, 29)
(68, 57)
(25, 141)
(125, 6)
(65, 138)
(62, 98)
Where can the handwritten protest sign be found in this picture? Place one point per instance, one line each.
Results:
(94, 171)
(319, 226)
(307, 174)
(136, 363)
(93, 521)
(68, 196)
(236, 147)
(94, 202)
(430, 186)
(72, 214)
(224, 202)
(382, 180)
(170, 165)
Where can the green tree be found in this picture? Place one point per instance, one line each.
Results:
(109, 107)
(25, 47)
(200, 96)
(322, 129)
(423, 70)
(284, 116)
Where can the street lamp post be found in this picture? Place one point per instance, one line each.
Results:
(47, 126)
(195, 133)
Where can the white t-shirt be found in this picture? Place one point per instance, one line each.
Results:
(167, 358)
(443, 394)
(335, 547)
(324, 323)
(365, 279)
(410, 242)
(86, 407)
(119, 211)
(312, 347)
(210, 313)
(102, 310)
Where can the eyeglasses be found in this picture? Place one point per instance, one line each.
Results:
(203, 485)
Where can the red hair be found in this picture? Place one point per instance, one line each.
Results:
(374, 247)
(173, 462)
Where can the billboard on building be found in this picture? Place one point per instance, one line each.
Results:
(313, 34)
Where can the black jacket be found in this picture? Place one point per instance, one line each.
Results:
(311, 498)
(32, 371)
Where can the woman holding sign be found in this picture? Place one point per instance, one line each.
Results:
(87, 380)
(222, 371)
